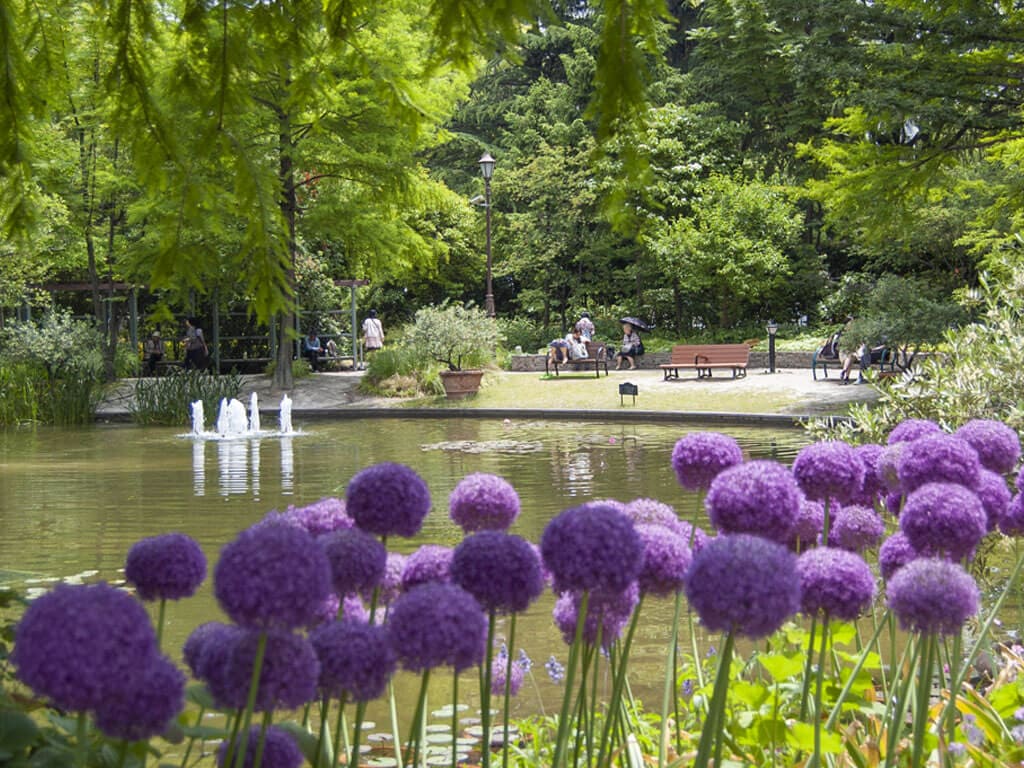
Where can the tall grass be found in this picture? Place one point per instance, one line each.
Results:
(30, 394)
(167, 400)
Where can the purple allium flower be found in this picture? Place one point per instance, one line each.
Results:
(998, 445)
(909, 430)
(391, 583)
(431, 563)
(555, 670)
(144, 702)
(994, 494)
(829, 470)
(810, 521)
(607, 611)
(215, 669)
(937, 459)
(435, 625)
(593, 546)
(327, 611)
(932, 596)
(698, 457)
(321, 517)
(500, 570)
(654, 512)
(388, 499)
(855, 528)
(834, 582)
(744, 583)
(353, 609)
(894, 503)
(1012, 521)
(500, 670)
(202, 639)
(759, 497)
(895, 552)
(666, 560)
(272, 576)
(288, 676)
(357, 560)
(483, 502)
(279, 749)
(943, 519)
(885, 467)
(76, 642)
(872, 488)
(354, 658)
(167, 567)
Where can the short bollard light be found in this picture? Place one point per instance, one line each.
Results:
(772, 329)
(628, 389)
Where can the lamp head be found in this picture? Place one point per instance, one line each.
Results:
(772, 327)
(487, 165)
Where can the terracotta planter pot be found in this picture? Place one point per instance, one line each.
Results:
(458, 384)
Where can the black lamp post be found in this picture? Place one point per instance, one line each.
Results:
(772, 329)
(487, 169)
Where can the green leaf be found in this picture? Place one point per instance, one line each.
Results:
(801, 736)
(200, 695)
(782, 666)
(751, 694)
(17, 731)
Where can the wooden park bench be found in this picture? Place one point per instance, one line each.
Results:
(597, 356)
(705, 358)
(881, 358)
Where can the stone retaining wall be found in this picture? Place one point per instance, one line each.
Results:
(651, 360)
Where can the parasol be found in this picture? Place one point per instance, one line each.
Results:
(640, 325)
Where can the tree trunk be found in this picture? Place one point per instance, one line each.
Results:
(283, 378)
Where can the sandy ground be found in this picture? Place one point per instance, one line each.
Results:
(784, 392)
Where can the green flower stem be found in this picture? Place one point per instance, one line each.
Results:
(714, 723)
(562, 734)
(82, 740)
(396, 737)
(325, 705)
(825, 523)
(924, 691)
(582, 715)
(416, 729)
(618, 683)
(837, 710)
(341, 730)
(122, 754)
(161, 614)
(815, 761)
(669, 685)
(235, 725)
(357, 734)
(508, 690)
(455, 718)
(895, 708)
(805, 691)
(954, 673)
(485, 689)
(254, 686)
(192, 739)
(268, 718)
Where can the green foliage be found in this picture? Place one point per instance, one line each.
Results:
(168, 399)
(400, 370)
(458, 337)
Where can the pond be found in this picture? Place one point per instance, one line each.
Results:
(73, 501)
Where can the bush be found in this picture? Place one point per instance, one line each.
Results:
(167, 400)
(400, 371)
(455, 336)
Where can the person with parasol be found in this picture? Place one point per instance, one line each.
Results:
(632, 346)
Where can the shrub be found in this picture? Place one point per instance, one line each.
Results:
(456, 336)
(167, 400)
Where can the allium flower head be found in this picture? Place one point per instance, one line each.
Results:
(943, 519)
(391, 582)
(279, 750)
(354, 658)
(388, 500)
(357, 560)
(997, 444)
(994, 494)
(937, 459)
(1012, 521)
(288, 676)
(855, 528)
(483, 502)
(205, 636)
(744, 583)
(213, 665)
(885, 467)
(272, 576)
(608, 612)
(909, 430)
(431, 563)
(759, 497)
(666, 560)
(593, 546)
(654, 512)
(872, 488)
(75, 643)
(931, 596)
(320, 517)
(834, 582)
(894, 503)
(435, 625)
(895, 552)
(810, 521)
(500, 671)
(144, 702)
(500, 570)
(167, 567)
(829, 470)
(698, 457)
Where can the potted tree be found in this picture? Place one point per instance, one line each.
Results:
(460, 338)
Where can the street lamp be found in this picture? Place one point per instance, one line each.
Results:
(487, 169)
(772, 329)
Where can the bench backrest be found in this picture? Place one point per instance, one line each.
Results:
(596, 350)
(713, 354)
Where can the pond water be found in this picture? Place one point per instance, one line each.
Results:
(73, 501)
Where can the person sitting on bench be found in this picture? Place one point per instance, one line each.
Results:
(311, 350)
